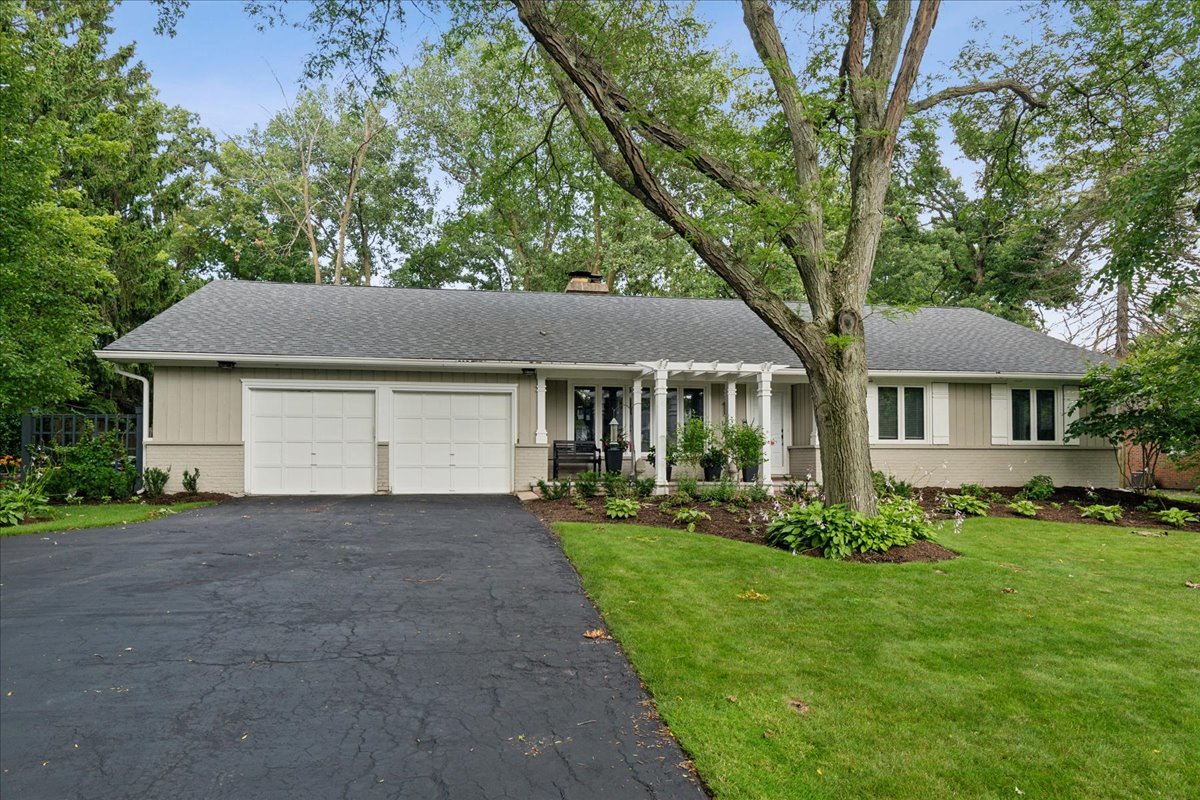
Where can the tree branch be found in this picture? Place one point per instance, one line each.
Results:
(914, 51)
(1026, 93)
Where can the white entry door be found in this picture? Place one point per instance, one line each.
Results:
(311, 442)
(452, 442)
(781, 425)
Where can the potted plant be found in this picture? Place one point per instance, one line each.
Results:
(746, 442)
(672, 456)
(615, 445)
(694, 440)
(713, 462)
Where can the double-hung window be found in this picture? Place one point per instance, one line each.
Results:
(1034, 415)
(900, 413)
(593, 408)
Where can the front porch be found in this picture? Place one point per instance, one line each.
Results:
(650, 400)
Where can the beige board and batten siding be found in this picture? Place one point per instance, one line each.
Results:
(197, 418)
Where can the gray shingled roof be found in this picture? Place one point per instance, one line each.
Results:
(247, 318)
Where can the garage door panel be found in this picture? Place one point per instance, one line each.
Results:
(311, 442)
(465, 441)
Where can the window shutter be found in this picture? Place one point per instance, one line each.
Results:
(1000, 413)
(1070, 396)
(940, 396)
(873, 412)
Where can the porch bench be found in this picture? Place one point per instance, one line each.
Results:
(572, 453)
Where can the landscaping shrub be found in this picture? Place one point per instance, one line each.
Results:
(621, 507)
(96, 467)
(1039, 487)
(1176, 517)
(745, 443)
(689, 517)
(1025, 508)
(642, 487)
(838, 532)
(890, 486)
(688, 486)
(757, 493)
(615, 484)
(980, 491)
(720, 492)
(154, 481)
(191, 481)
(587, 483)
(694, 440)
(966, 504)
(1102, 512)
(554, 490)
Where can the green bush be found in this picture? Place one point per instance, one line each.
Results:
(1039, 487)
(694, 439)
(642, 487)
(191, 481)
(1102, 512)
(587, 483)
(154, 481)
(554, 490)
(745, 443)
(982, 492)
(890, 486)
(757, 493)
(966, 504)
(713, 458)
(1025, 508)
(96, 467)
(720, 492)
(688, 486)
(838, 532)
(615, 484)
(1176, 517)
(689, 517)
(621, 507)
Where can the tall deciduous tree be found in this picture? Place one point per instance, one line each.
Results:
(640, 137)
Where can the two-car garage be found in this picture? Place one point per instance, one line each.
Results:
(450, 439)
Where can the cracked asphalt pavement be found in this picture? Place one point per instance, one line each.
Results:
(365, 647)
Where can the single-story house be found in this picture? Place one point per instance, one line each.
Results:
(291, 389)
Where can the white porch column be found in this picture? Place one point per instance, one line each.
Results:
(731, 402)
(635, 424)
(660, 427)
(764, 399)
(539, 436)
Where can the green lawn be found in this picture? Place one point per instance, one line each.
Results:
(921, 680)
(1186, 495)
(70, 518)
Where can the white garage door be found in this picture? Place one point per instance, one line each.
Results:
(452, 442)
(311, 442)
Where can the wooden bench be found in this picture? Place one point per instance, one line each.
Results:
(570, 453)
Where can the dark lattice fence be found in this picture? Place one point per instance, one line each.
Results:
(43, 430)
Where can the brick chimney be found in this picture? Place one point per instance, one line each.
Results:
(585, 282)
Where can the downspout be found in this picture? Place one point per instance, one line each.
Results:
(145, 411)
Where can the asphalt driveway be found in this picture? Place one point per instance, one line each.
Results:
(317, 648)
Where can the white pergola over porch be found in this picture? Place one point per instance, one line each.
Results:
(662, 373)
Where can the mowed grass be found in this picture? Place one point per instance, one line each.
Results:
(1050, 661)
(70, 518)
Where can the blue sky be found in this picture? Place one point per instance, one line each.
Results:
(219, 66)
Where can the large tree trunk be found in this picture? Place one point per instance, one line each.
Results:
(840, 402)
(1121, 332)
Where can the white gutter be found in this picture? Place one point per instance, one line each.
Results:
(145, 356)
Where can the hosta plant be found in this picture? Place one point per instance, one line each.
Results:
(1025, 508)
(621, 507)
(967, 504)
(1102, 512)
(689, 517)
(1176, 517)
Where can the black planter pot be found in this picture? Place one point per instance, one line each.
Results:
(612, 458)
(750, 474)
(712, 473)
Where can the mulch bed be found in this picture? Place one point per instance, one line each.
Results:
(1066, 497)
(747, 524)
(743, 525)
(166, 499)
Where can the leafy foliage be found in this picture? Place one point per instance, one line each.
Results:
(96, 467)
(688, 486)
(890, 486)
(1026, 508)
(721, 492)
(1176, 517)
(838, 531)
(745, 443)
(1102, 512)
(966, 504)
(154, 480)
(586, 483)
(1039, 487)
(20, 500)
(689, 517)
(191, 481)
(615, 484)
(1149, 400)
(621, 507)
